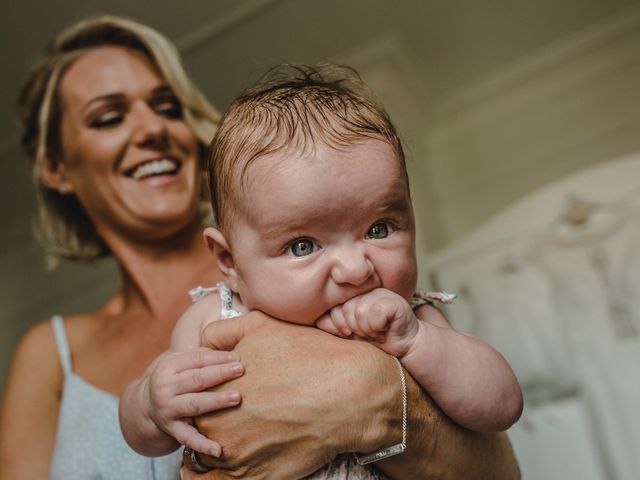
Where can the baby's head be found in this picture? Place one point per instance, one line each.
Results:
(310, 191)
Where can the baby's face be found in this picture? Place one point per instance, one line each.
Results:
(315, 230)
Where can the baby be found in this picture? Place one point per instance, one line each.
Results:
(315, 226)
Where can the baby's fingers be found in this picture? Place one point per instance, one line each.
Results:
(190, 437)
(201, 357)
(339, 319)
(199, 379)
(194, 404)
(326, 323)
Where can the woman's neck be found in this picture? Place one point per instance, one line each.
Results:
(156, 276)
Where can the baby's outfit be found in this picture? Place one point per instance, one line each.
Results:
(344, 466)
(89, 443)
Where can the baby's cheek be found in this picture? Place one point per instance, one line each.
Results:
(405, 280)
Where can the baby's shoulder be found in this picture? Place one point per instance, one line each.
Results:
(203, 311)
(205, 308)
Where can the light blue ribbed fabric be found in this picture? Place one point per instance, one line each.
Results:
(89, 443)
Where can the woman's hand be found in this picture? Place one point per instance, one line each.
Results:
(306, 397)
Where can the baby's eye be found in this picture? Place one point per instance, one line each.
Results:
(302, 247)
(379, 231)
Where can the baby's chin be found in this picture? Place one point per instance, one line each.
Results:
(297, 318)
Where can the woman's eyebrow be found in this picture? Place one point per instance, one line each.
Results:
(109, 97)
(119, 97)
(162, 90)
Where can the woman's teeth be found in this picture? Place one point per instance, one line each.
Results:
(155, 167)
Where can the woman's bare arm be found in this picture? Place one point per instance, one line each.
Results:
(30, 405)
(308, 396)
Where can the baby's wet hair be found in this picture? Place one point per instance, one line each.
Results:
(293, 108)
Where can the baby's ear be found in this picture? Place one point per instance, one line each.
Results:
(219, 248)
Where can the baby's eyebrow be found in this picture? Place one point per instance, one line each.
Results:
(395, 202)
(281, 229)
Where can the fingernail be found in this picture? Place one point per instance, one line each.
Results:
(236, 369)
(233, 357)
(233, 397)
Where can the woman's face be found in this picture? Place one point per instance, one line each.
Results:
(126, 151)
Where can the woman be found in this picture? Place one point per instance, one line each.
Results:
(116, 131)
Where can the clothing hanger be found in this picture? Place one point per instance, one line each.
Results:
(575, 213)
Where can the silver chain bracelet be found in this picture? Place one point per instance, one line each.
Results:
(398, 447)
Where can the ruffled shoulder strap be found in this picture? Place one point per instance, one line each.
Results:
(421, 297)
(226, 298)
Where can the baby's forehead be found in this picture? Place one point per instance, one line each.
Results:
(322, 158)
(293, 181)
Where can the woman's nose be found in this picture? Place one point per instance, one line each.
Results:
(351, 266)
(150, 128)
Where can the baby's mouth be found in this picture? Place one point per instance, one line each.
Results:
(152, 168)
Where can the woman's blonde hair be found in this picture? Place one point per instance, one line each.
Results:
(63, 226)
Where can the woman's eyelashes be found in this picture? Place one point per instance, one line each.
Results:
(107, 118)
(171, 108)
(302, 247)
(115, 114)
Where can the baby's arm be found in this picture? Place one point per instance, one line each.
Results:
(470, 381)
(156, 409)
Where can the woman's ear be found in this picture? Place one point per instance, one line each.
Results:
(54, 175)
(219, 248)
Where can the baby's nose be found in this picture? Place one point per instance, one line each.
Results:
(352, 266)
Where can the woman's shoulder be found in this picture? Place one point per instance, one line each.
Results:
(36, 356)
(39, 340)
(39, 345)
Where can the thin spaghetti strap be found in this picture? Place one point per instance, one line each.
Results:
(62, 343)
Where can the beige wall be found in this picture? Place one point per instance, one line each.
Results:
(568, 106)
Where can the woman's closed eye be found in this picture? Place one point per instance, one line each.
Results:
(171, 109)
(301, 247)
(107, 118)
(115, 115)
